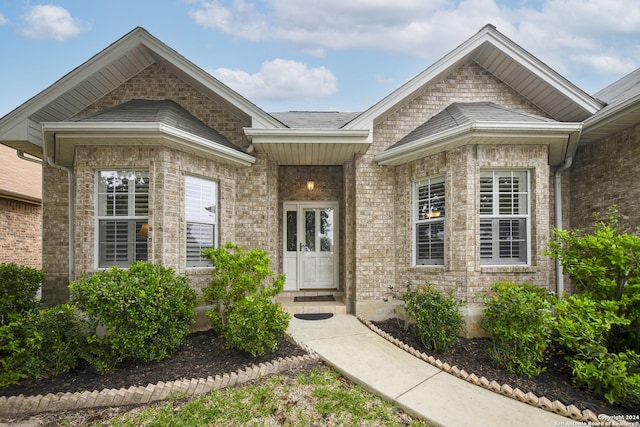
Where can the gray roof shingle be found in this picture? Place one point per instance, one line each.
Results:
(620, 90)
(164, 111)
(458, 114)
(314, 119)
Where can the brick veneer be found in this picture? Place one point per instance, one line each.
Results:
(20, 233)
(600, 179)
(384, 233)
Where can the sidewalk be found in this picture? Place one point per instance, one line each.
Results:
(418, 387)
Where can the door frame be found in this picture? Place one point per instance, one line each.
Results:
(294, 269)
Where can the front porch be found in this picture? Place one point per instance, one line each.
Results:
(288, 301)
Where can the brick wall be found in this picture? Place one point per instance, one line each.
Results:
(384, 234)
(20, 233)
(605, 173)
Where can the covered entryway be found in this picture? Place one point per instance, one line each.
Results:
(310, 245)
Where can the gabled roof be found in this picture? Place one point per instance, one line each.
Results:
(622, 110)
(106, 71)
(482, 123)
(508, 62)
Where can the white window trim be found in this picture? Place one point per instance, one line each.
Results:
(494, 215)
(415, 222)
(215, 222)
(98, 217)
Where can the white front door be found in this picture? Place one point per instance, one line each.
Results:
(310, 245)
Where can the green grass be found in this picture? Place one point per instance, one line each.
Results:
(321, 397)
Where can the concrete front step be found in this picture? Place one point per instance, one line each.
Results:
(286, 299)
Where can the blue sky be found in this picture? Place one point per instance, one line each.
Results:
(340, 55)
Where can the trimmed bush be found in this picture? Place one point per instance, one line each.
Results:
(519, 319)
(40, 343)
(140, 313)
(18, 288)
(241, 293)
(437, 317)
(255, 324)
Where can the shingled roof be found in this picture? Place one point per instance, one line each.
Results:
(164, 111)
(315, 119)
(458, 114)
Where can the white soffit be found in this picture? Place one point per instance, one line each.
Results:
(106, 71)
(309, 146)
(508, 62)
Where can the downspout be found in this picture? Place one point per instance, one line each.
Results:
(558, 217)
(51, 162)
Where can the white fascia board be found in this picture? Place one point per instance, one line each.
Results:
(459, 134)
(274, 136)
(117, 130)
(609, 114)
(552, 78)
(462, 52)
(259, 117)
(74, 77)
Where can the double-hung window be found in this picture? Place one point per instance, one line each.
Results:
(123, 217)
(201, 216)
(429, 216)
(504, 217)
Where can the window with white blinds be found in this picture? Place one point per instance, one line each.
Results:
(200, 198)
(429, 220)
(123, 222)
(504, 217)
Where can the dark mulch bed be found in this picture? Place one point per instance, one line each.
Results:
(471, 355)
(202, 356)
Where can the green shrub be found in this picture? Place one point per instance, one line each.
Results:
(616, 376)
(582, 325)
(437, 317)
(255, 324)
(140, 313)
(40, 343)
(583, 328)
(18, 288)
(519, 321)
(605, 262)
(241, 279)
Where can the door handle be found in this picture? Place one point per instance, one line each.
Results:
(301, 244)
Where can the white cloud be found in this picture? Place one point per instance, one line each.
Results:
(279, 80)
(50, 22)
(578, 36)
(3, 19)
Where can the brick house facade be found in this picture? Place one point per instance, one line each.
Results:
(485, 127)
(20, 210)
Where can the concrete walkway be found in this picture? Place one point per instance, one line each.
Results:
(418, 387)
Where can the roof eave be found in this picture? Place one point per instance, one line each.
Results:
(154, 50)
(148, 133)
(488, 34)
(523, 133)
(609, 116)
(310, 146)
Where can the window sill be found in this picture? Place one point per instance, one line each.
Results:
(429, 267)
(488, 269)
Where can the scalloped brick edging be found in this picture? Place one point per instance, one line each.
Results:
(31, 405)
(570, 411)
